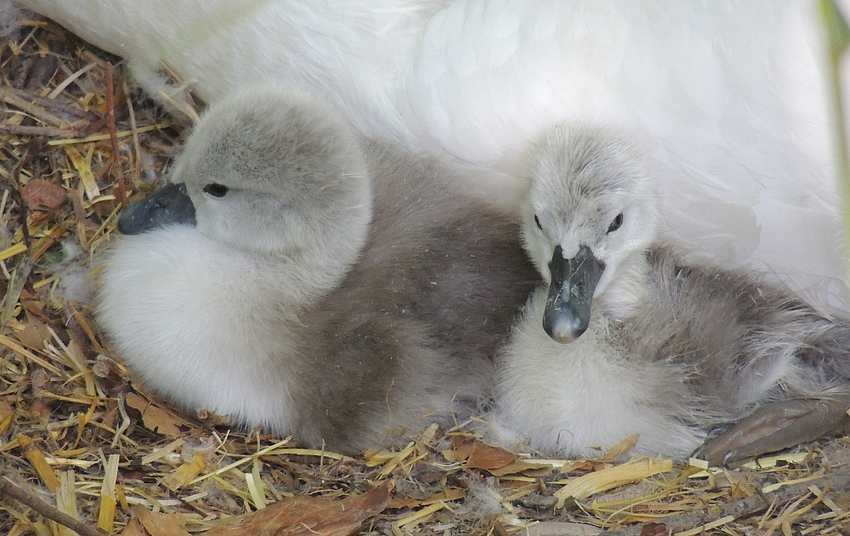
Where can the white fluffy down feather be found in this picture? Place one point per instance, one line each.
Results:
(732, 94)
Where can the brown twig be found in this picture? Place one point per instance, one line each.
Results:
(110, 109)
(741, 508)
(8, 96)
(50, 132)
(23, 212)
(82, 528)
(113, 133)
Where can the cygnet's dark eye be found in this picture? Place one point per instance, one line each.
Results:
(537, 221)
(215, 189)
(616, 224)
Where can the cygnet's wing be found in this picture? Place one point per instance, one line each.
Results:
(409, 335)
(748, 343)
(467, 272)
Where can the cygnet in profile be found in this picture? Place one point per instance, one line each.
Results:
(627, 339)
(297, 277)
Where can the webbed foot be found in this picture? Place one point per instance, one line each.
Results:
(776, 426)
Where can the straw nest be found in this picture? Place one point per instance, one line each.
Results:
(82, 447)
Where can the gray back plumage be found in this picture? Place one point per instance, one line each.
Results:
(730, 330)
(413, 328)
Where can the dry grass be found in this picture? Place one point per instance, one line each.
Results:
(75, 432)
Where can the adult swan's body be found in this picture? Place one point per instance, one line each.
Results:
(734, 93)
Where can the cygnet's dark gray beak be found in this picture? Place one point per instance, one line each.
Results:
(567, 313)
(170, 205)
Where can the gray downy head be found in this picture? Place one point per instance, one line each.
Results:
(590, 211)
(270, 172)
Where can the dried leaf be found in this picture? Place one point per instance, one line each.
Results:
(653, 529)
(525, 468)
(155, 418)
(33, 307)
(623, 447)
(159, 524)
(309, 516)
(463, 450)
(41, 194)
(478, 455)
(34, 334)
(134, 528)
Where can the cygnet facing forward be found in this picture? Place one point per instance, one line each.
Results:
(626, 339)
(298, 278)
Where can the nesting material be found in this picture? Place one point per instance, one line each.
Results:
(83, 446)
(611, 477)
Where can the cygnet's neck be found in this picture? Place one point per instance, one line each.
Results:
(310, 270)
(628, 289)
(307, 274)
(207, 277)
